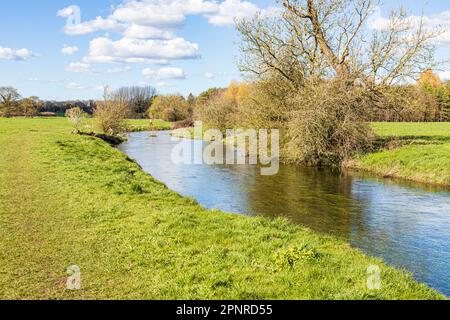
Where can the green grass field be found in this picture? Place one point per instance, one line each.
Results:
(423, 153)
(73, 200)
(437, 130)
(146, 124)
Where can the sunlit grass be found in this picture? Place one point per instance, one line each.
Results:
(73, 200)
(146, 124)
(412, 129)
(424, 155)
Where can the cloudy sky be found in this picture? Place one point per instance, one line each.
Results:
(69, 49)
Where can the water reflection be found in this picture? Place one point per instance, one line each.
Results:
(406, 225)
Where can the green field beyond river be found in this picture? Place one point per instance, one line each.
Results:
(421, 152)
(74, 200)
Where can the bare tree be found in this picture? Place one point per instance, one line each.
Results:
(321, 39)
(217, 112)
(138, 99)
(339, 67)
(400, 50)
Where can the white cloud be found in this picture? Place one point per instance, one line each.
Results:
(33, 79)
(228, 11)
(80, 67)
(172, 13)
(12, 54)
(68, 50)
(164, 73)
(100, 88)
(376, 21)
(440, 20)
(75, 86)
(141, 51)
(444, 75)
(143, 83)
(164, 84)
(136, 31)
(98, 24)
(148, 28)
(163, 16)
(119, 69)
(171, 73)
(209, 75)
(157, 13)
(147, 72)
(66, 12)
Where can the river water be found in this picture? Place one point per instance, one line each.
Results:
(405, 224)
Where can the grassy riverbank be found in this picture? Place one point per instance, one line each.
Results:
(74, 200)
(414, 151)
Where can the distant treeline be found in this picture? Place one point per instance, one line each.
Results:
(137, 101)
(60, 107)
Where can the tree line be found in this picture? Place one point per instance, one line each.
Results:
(12, 104)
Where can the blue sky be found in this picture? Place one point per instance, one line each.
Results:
(183, 46)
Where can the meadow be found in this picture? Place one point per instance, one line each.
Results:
(434, 130)
(67, 199)
(145, 125)
(414, 151)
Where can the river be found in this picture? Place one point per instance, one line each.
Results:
(405, 224)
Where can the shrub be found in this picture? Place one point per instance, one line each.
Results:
(217, 112)
(77, 118)
(169, 108)
(183, 124)
(327, 129)
(206, 95)
(110, 115)
(263, 104)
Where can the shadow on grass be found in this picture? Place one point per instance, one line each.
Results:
(391, 143)
(112, 140)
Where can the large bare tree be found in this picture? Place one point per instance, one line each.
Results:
(339, 66)
(138, 99)
(321, 39)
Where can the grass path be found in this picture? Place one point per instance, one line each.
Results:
(30, 269)
(73, 200)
